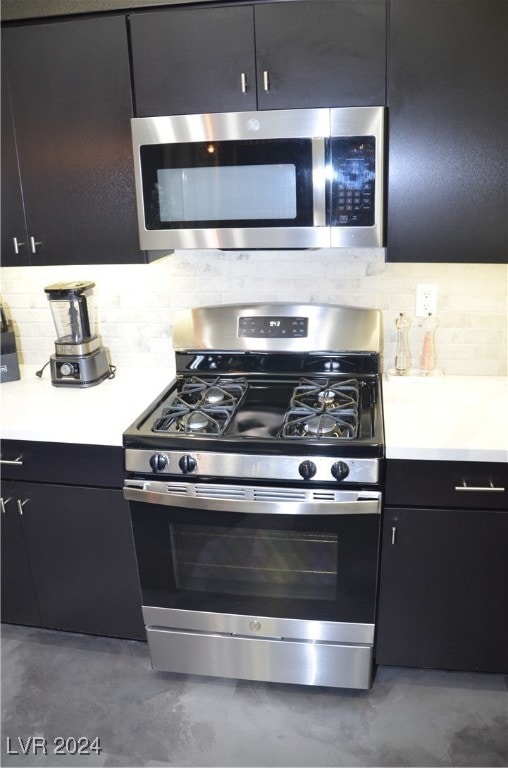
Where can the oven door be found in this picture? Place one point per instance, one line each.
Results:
(291, 566)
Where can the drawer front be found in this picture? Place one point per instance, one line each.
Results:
(62, 463)
(473, 485)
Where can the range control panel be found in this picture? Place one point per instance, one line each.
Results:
(279, 327)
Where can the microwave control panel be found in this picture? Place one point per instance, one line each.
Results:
(352, 188)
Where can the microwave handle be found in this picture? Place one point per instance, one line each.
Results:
(266, 81)
(319, 182)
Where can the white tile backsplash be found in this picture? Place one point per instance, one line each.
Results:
(135, 304)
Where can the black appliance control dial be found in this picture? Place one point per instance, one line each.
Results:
(340, 470)
(187, 464)
(158, 462)
(307, 469)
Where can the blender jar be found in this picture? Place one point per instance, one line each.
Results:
(72, 310)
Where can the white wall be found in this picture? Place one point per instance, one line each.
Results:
(135, 304)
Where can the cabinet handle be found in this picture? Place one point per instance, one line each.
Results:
(394, 534)
(13, 462)
(266, 81)
(34, 243)
(21, 504)
(490, 488)
(17, 245)
(244, 83)
(3, 504)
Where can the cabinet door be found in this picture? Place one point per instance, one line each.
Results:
(321, 53)
(19, 603)
(14, 234)
(447, 98)
(71, 102)
(444, 590)
(80, 548)
(192, 61)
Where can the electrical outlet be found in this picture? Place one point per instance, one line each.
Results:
(426, 300)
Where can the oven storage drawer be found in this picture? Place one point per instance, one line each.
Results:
(456, 484)
(280, 661)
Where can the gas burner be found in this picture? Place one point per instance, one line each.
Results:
(326, 397)
(202, 407)
(318, 395)
(213, 421)
(344, 427)
(214, 395)
(323, 409)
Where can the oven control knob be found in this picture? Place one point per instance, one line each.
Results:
(158, 462)
(307, 469)
(340, 470)
(187, 464)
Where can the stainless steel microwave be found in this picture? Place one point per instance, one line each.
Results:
(304, 178)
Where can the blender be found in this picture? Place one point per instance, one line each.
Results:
(80, 360)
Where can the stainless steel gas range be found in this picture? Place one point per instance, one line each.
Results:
(254, 484)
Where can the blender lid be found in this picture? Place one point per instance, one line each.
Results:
(68, 290)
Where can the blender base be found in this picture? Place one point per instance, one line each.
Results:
(80, 370)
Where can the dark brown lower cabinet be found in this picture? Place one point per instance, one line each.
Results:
(443, 599)
(68, 558)
(19, 602)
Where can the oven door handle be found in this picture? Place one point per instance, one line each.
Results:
(364, 504)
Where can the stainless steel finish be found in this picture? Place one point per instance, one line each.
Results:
(280, 661)
(266, 124)
(266, 81)
(93, 369)
(243, 82)
(13, 462)
(228, 126)
(21, 504)
(263, 467)
(319, 182)
(3, 503)
(16, 245)
(259, 626)
(34, 243)
(360, 121)
(254, 499)
(83, 348)
(489, 488)
(330, 329)
(394, 534)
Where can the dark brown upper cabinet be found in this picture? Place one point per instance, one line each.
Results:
(289, 55)
(66, 146)
(447, 99)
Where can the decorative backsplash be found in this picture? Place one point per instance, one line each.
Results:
(135, 304)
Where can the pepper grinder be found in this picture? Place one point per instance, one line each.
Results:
(402, 353)
(428, 353)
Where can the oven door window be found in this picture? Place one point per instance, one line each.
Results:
(249, 183)
(288, 566)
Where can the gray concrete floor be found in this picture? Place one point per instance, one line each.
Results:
(61, 685)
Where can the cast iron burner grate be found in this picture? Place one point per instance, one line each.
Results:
(320, 408)
(202, 407)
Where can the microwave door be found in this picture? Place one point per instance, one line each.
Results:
(251, 189)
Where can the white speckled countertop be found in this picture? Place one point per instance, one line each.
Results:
(457, 418)
(33, 409)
